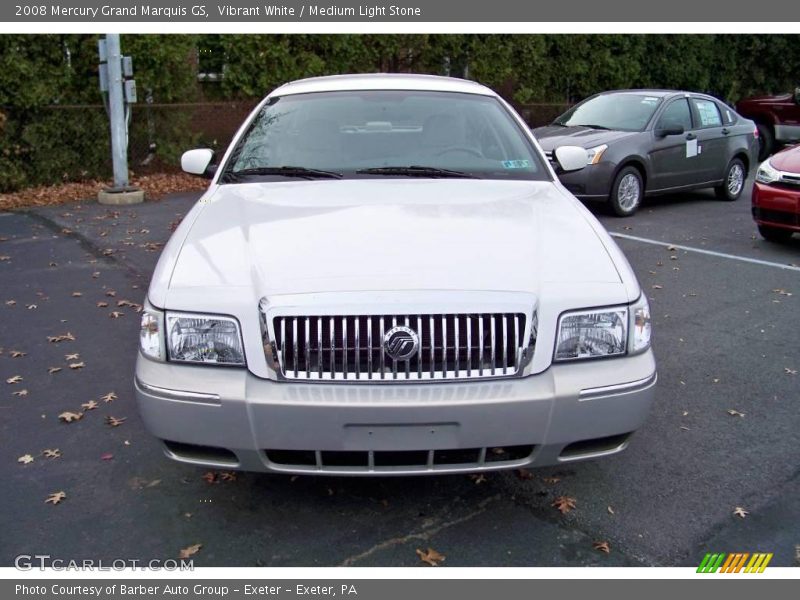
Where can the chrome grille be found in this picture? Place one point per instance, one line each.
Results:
(351, 347)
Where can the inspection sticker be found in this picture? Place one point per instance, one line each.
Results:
(516, 164)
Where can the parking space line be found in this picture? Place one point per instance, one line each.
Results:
(755, 261)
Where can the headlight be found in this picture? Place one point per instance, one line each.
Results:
(204, 339)
(593, 155)
(592, 333)
(151, 334)
(640, 325)
(767, 173)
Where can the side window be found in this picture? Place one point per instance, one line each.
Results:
(677, 114)
(708, 112)
(727, 114)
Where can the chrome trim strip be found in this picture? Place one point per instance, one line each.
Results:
(621, 388)
(178, 395)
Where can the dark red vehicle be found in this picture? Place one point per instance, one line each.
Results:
(777, 119)
(776, 195)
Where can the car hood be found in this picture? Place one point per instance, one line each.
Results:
(553, 136)
(787, 160)
(299, 237)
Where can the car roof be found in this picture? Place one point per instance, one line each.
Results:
(382, 81)
(658, 92)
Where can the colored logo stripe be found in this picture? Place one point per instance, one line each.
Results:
(734, 562)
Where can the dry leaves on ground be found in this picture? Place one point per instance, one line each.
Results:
(735, 413)
(20, 354)
(602, 547)
(51, 453)
(14, 379)
(90, 405)
(431, 557)
(20, 393)
(190, 551)
(154, 186)
(69, 417)
(56, 497)
(114, 421)
(740, 512)
(109, 397)
(25, 459)
(564, 504)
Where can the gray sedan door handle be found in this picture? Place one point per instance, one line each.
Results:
(725, 131)
(691, 136)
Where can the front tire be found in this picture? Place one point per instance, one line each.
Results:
(775, 234)
(733, 184)
(627, 192)
(766, 141)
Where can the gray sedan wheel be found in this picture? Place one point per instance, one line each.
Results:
(733, 184)
(626, 192)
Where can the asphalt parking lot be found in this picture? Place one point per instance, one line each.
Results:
(724, 431)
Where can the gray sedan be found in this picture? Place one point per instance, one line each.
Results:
(643, 142)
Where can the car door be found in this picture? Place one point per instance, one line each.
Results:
(712, 145)
(672, 159)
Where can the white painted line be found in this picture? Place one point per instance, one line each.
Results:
(754, 261)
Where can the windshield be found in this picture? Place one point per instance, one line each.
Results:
(624, 111)
(359, 134)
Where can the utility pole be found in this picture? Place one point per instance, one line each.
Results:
(121, 93)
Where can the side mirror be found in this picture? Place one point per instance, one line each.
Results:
(198, 162)
(670, 130)
(570, 158)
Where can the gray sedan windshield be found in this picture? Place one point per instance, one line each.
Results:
(384, 134)
(621, 111)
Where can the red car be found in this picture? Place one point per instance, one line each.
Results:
(776, 195)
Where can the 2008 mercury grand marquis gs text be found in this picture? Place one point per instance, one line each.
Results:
(386, 277)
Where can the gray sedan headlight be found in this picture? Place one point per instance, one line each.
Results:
(767, 173)
(204, 339)
(592, 333)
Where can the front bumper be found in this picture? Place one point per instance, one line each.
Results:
(776, 206)
(228, 418)
(591, 183)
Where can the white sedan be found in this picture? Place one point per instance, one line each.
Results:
(385, 276)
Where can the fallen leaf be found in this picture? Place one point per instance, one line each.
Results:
(51, 453)
(11, 302)
(77, 294)
(52, 370)
(227, 476)
(190, 551)
(64, 337)
(210, 477)
(109, 397)
(32, 306)
(90, 405)
(111, 293)
(77, 365)
(114, 421)
(658, 287)
(524, 474)
(610, 510)
(69, 417)
(102, 304)
(72, 356)
(551, 480)
(671, 248)
(735, 413)
(431, 557)
(25, 459)
(14, 379)
(740, 512)
(602, 547)
(478, 478)
(564, 504)
(715, 380)
(786, 370)
(20, 354)
(106, 456)
(56, 497)
(21, 393)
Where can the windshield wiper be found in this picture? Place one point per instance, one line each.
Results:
(592, 126)
(416, 171)
(285, 171)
